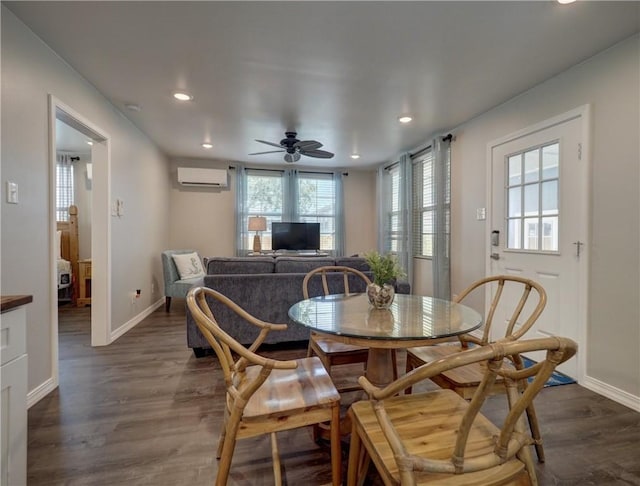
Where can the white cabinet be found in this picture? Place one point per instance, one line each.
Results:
(13, 394)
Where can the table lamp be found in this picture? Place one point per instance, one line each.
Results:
(257, 224)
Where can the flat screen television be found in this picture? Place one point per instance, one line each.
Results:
(295, 236)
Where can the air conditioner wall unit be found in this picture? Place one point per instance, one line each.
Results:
(194, 177)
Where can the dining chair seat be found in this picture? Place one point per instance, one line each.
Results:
(288, 392)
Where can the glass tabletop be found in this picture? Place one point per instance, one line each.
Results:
(410, 317)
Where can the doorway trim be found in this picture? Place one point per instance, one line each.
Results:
(584, 114)
(100, 227)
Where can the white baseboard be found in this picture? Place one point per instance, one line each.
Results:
(135, 321)
(39, 392)
(615, 394)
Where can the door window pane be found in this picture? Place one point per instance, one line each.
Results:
(532, 166)
(550, 233)
(531, 207)
(515, 170)
(531, 233)
(550, 197)
(550, 159)
(515, 202)
(514, 232)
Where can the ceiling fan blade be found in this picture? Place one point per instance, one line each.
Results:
(304, 145)
(292, 157)
(267, 152)
(269, 143)
(320, 154)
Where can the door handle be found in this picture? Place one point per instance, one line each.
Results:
(495, 256)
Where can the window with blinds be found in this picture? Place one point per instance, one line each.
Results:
(308, 197)
(64, 191)
(265, 197)
(425, 204)
(394, 223)
(317, 204)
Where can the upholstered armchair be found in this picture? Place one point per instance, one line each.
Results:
(174, 286)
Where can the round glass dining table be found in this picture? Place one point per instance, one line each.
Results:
(412, 320)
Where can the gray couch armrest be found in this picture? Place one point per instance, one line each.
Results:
(402, 287)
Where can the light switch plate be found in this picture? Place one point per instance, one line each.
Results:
(12, 192)
(481, 214)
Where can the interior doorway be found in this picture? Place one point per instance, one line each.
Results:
(93, 268)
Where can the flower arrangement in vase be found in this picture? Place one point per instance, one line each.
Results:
(386, 270)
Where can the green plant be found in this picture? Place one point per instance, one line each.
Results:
(385, 268)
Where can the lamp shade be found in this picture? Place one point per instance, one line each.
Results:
(257, 223)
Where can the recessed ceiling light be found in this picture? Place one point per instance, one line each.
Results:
(405, 119)
(355, 156)
(179, 95)
(89, 142)
(207, 145)
(564, 2)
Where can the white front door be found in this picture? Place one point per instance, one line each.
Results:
(538, 222)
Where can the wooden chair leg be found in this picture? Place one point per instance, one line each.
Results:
(228, 446)
(407, 369)
(275, 458)
(354, 456)
(167, 304)
(534, 426)
(394, 361)
(336, 454)
(309, 349)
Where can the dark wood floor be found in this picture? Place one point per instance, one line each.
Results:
(145, 411)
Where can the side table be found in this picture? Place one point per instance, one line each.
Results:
(84, 281)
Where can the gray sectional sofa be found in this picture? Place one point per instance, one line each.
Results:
(267, 287)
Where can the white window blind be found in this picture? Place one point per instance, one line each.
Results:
(265, 197)
(425, 204)
(317, 204)
(394, 216)
(64, 188)
(289, 195)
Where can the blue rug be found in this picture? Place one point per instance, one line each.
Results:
(555, 379)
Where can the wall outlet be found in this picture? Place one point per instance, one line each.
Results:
(153, 288)
(481, 214)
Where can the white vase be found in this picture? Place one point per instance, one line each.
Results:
(380, 297)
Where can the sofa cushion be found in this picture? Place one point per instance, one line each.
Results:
(240, 265)
(301, 264)
(359, 263)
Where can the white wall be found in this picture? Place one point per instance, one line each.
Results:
(204, 218)
(610, 83)
(139, 175)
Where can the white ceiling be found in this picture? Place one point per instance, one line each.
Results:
(337, 72)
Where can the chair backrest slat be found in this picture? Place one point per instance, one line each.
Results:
(323, 271)
(510, 282)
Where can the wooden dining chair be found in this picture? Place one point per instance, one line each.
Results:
(437, 437)
(265, 396)
(465, 380)
(330, 351)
